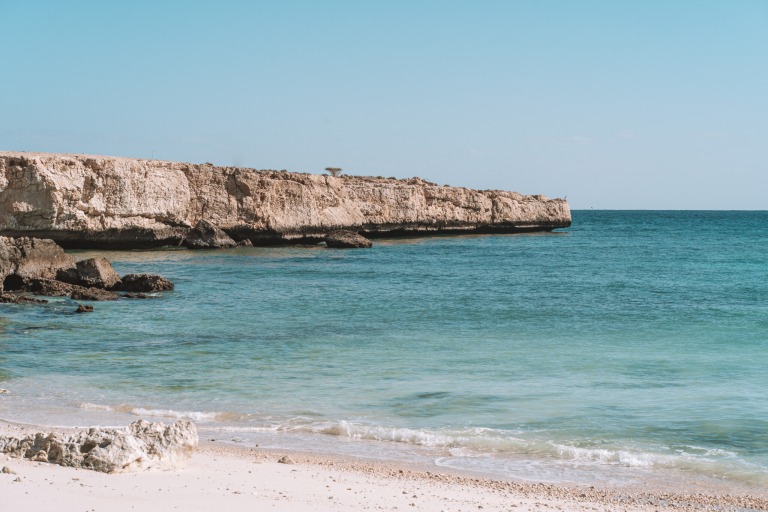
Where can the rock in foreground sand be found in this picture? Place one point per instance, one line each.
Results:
(140, 446)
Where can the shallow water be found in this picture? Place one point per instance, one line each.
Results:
(629, 344)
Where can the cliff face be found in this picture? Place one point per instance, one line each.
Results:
(97, 201)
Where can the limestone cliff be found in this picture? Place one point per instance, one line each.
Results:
(100, 201)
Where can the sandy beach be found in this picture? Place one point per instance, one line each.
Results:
(226, 477)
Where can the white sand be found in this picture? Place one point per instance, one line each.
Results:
(227, 478)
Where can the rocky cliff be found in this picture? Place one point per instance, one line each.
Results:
(99, 201)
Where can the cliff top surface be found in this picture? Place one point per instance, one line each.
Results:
(415, 180)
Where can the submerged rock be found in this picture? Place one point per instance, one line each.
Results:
(206, 235)
(145, 283)
(140, 446)
(81, 308)
(346, 240)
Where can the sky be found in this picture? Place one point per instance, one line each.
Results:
(631, 104)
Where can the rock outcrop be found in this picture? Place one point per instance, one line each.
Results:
(43, 268)
(31, 258)
(145, 283)
(346, 240)
(140, 446)
(97, 201)
(97, 273)
(53, 288)
(205, 235)
(12, 298)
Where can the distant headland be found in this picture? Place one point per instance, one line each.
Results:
(86, 201)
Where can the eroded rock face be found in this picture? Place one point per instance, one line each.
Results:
(95, 201)
(346, 240)
(140, 446)
(205, 235)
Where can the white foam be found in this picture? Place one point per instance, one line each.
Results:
(179, 415)
(95, 407)
(161, 413)
(608, 456)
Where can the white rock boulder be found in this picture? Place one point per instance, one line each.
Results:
(140, 446)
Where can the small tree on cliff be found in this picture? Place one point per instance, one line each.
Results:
(335, 171)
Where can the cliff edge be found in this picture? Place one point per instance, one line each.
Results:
(111, 202)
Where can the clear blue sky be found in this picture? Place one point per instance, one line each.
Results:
(615, 103)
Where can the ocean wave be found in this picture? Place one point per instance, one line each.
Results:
(87, 406)
(613, 456)
(199, 416)
(469, 443)
(501, 444)
(178, 415)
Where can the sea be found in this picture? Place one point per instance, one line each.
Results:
(631, 347)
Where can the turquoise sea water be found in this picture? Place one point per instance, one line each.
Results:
(631, 345)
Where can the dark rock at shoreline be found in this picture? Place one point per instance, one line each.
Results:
(136, 296)
(41, 267)
(246, 242)
(47, 287)
(145, 283)
(81, 308)
(206, 235)
(10, 298)
(97, 273)
(96, 294)
(68, 275)
(30, 258)
(346, 240)
(53, 288)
